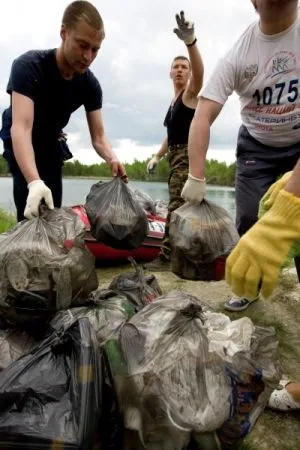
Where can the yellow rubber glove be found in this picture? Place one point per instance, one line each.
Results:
(256, 260)
(274, 189)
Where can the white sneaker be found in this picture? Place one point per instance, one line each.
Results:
(281, 399)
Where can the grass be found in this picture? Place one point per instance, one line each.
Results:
(7, 221)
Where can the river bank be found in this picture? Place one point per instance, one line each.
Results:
(75, 191)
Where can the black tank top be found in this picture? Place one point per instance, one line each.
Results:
(178, 121)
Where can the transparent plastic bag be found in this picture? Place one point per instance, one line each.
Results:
(140, 289)
(106, 311)
(199, 236)
(116, 218)
(181, 377)
(253, 379)
(146, 202)
(44, 265)
(161, 207)
(166, 350)
(13, 345)
(60, 395)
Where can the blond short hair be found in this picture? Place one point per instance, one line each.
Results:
(83, 10)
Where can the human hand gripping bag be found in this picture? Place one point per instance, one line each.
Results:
(201, 238)
(116, 217)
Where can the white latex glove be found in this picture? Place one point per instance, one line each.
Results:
(185, 30)
(194, 189)
(151, 166)
(37, 192)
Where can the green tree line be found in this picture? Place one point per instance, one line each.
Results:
(218, 173)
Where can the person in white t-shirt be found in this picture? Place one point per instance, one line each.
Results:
(263, 68)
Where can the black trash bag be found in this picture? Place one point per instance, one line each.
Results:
(116, 218)
(44, 266)
(201, 238)
(140, 289)
(61, 395)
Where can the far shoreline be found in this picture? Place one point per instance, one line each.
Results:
(90, 177)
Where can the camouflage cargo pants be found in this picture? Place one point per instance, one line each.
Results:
(179, 166)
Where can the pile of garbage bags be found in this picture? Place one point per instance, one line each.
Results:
(126, 367)
(190, 374)
(171, 374)
(56, 385)
(201, 237)
(55, 380)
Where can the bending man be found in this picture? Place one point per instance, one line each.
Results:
(46, 87)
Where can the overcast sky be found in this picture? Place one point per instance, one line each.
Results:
(133, 65)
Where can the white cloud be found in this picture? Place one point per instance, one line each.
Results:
(133, 65)
(128, 151)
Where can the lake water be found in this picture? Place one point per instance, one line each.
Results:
(76, 189)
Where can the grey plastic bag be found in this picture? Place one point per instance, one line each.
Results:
(140, 289)
(44, 265)
(200, 235)
(146, 202)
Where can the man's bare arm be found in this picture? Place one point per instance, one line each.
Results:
(102, 145)
(163, 149)
(99, 140)
(197, 69)
(21, 135)
(199, 135)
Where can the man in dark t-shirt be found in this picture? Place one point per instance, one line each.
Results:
(46, 87)
(187, 76)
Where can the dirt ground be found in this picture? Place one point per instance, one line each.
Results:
(273, 430)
